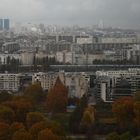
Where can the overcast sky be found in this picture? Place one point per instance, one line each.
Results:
(119, 13)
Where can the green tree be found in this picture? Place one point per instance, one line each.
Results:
(137, 138)
(113, 136)
(5, 96)
(137, 96)
(88, 121)
(125, 136)
(75, 118)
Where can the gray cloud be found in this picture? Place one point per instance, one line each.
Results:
(123, 13)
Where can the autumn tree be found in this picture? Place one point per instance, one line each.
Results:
(15, 127)
(51, 125)
(22, 135)
(88, 116)
(36, 128)
(34, 117)
(4, 131)
(47, 134)
(57, 98)
(20, 106)
(123, 111)
(35, 93)
(88, 121)
(6, 114)
(137, 114)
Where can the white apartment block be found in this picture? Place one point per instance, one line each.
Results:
(115, 84)
(88, 40)
(9, 82)
(113, 40)
(4, 57)
(47, 80)
(77, 83)
(27, 58)
(65, 57)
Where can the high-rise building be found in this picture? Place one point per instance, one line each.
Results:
(1, 24)
(6, 24)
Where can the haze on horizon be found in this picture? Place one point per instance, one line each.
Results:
(116, 13)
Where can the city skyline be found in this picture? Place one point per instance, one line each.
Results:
(123, 14)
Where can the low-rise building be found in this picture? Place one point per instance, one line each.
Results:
(10, 47)
(9, 82)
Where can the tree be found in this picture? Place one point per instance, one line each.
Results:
(34, 117)
(75, 118)
(35, 93)
(4, 131)
(15, 127)
(57, 98)
(36, 128)
(88, 116)
(113, 136)
(137, 96)
(6, 114)
(20, 106)
(51, 125)
(123, 111)
(125, 136)
(4, 96)
(47, 134)
(22, 135)
(137, 114)
(137, 138)
(88, 121)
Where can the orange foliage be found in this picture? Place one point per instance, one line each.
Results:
(123, 110)
(57, 97)
(4, 131)
(22, 135)
(36, 128)
(34, 117)
(15, 127)
(20, 106)
(47, 134)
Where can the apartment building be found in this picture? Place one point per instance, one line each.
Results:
(112, 85)
(77, 83)
(9, 82)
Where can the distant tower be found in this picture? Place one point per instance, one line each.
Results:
(6, 24)
(101, 24)
(1, 24)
